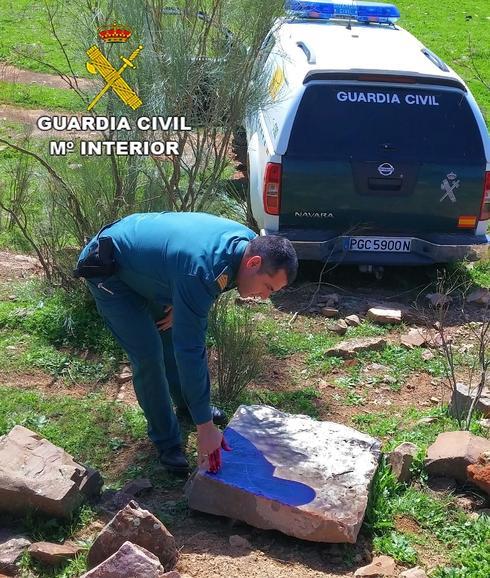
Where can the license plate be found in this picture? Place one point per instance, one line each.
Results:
(379, 244)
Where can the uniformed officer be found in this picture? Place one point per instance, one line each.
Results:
(154, 277)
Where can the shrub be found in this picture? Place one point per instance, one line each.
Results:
(239, 351)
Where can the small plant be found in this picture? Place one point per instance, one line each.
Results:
(239, 351)
(397, 546)
(452, 285)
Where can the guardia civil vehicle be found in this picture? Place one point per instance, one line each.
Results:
(371, 151)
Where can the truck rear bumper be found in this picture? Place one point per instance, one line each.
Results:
(427, 250)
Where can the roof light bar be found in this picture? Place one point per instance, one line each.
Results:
(357, 10)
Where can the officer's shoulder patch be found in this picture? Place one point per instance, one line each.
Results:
(222, 281)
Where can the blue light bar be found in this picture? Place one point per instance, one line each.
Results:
(359, 11)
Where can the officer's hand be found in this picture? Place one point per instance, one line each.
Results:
(210, 441)
(166, 322)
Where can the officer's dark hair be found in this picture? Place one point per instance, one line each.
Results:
(277, 254)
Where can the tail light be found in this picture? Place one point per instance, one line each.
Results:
(272, 188)
(485, 202)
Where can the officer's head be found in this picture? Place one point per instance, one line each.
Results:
(269, 264)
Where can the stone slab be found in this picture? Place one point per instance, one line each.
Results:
(11, 550)
(401, 459)
(462, 398)
(303, 477)
(37, 475)
(53, 554)
(130, 560)
(138, 526)
(453, 452)
(384, 315)
(351, 347)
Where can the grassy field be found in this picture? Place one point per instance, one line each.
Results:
(32, 96)
(27, 40)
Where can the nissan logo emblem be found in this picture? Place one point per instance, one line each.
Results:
(386, 169)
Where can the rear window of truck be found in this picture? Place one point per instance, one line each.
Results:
(427, 125)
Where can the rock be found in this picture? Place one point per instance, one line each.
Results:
(426, 420)
(330, 300)
(379, 567)
(339, 327)
(11, 550)
(129, 560)
(137, 487)
(435, 340)
(435, 400)
(401, 459)
(480, 296)
(485, 423)
(125, 375)
(462, 399)
(350, 348)
(139, 527)
(290, 473)
(353, 320)
(37, 475)
(329, 312)
(438, 299)
(382, 315)
(427, 355)
(414, 338)
(413, 573)
(53, 554)
(240, 542)
(452, 452)
(479, 473)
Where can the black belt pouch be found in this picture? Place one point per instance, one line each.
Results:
(99, 261)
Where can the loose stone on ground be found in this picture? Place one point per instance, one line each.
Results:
(290, 473)
(350, 348)
(138, 526)
(11, 549)
(37, 475)
(380, 567)
(129, 560)
(453, 452)
(463, 397)
(413, 573)
(414, 338)
(53, 554)
(339, 327)
(401, 459)
(384, 316)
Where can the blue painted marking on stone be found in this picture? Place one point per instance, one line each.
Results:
(246, 468)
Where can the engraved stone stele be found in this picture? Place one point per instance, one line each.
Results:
(305, 478)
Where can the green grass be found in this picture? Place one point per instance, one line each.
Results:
(480, 273)
(301, 401)
(82, 427)
(444, 28)
(27, 39)
(34, 96)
